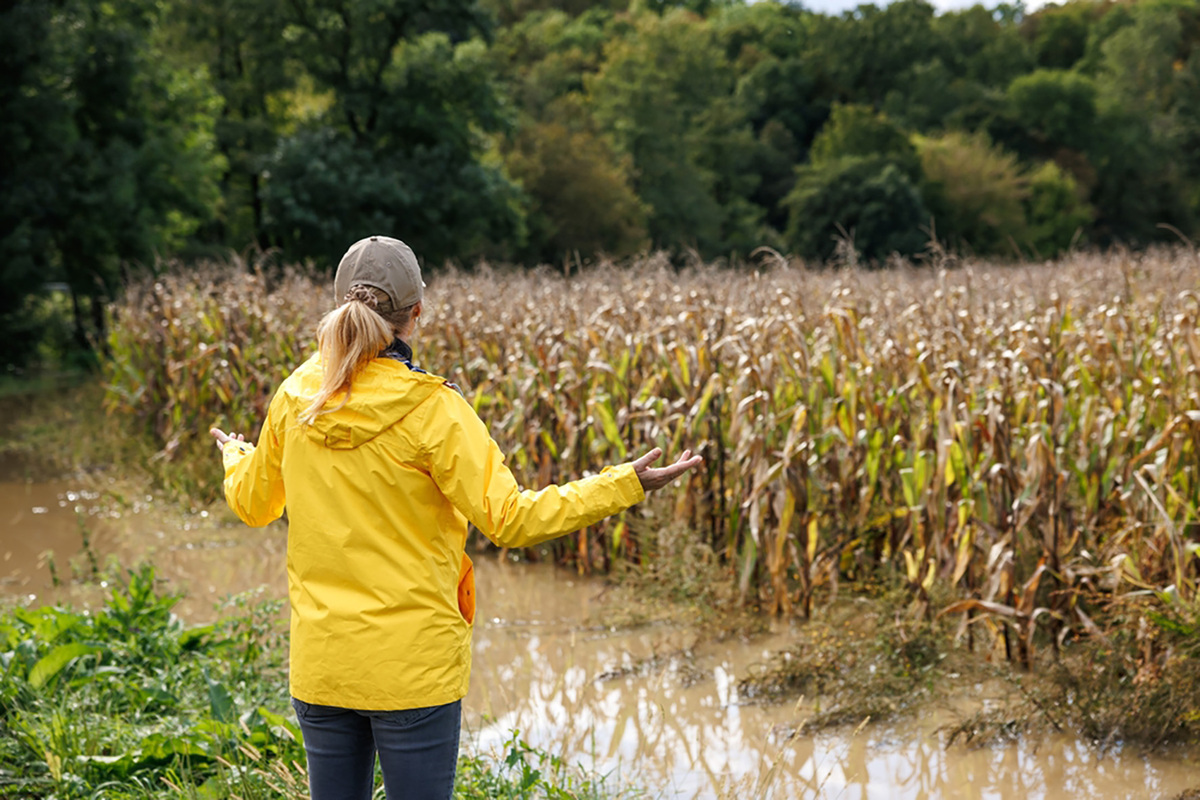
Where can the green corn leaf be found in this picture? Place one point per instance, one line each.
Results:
(908, 481)
(548, 440)
(874, 454)
(700, 410)
(611, 432)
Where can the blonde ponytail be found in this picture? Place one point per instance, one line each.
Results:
(349, 337)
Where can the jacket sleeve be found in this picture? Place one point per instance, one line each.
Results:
(253, 475)
(469, 469)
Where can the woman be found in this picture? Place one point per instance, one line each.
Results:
(381, 466)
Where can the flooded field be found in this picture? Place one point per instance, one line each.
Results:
(43, 526)
(660, 706)
(654, 705)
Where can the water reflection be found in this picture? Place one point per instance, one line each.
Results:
(659, 707)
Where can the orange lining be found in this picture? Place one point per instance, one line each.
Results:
(466, 589)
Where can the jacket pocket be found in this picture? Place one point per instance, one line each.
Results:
(466, 590)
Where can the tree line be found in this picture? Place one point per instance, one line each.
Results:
(537, 131)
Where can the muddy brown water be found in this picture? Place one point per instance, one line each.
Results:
(654, 706)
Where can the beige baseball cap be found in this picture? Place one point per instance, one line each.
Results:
(385, 263)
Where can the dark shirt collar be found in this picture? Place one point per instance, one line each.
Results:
(400, 351)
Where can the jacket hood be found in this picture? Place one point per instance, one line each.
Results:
(384, 393)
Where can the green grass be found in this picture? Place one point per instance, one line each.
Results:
(522, 771)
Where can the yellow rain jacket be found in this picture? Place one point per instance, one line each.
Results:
(378, 496)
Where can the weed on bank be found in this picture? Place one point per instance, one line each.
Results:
(127, 701)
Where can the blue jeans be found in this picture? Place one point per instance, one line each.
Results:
(418, 751)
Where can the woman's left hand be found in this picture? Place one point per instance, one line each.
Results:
(657, 477)
(222, 437)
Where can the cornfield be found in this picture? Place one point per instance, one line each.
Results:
(1024, 435)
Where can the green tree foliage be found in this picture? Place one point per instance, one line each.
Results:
(1188, 131)
(981, 46)
(1059, 34)
(984, 200)
(514, 12)
(35, 125)
(108, 156)
(868, 203)
(933, 96)
(581, 199)
(863, 57)
(767, 44)
(349, 46)
(1114, 154)
(665, 96)
(1056, 215)
(858, 131)
(1139, 183)
(579, 191)
(395, 93)
(544, 58)
(861, 188)
(1138, 68)
(975, 192)
(1137, 186)
(402, 146)
(1052, 110)
(972, 56)
(414, 165)
(241, 48)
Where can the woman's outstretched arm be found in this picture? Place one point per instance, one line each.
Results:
(469, 468)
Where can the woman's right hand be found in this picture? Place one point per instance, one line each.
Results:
(222, 437)
(657, 477)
